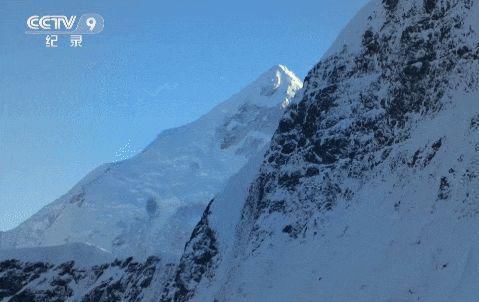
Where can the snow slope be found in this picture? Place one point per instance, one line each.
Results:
(48, 274)
(148, 205)
(370, 188)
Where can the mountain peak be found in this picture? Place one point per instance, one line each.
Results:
(278, 79)
(277, 75)
(276, 87)
(279, 68)
(148, 205)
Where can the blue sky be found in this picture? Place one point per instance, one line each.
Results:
(156, 65)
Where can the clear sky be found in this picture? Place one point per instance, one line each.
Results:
(158, 64)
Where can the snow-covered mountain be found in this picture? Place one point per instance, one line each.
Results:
(370, 188)
(148, 205)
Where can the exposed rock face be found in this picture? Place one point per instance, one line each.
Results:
(375, 163)
(359, 105)
(124, 280)
(197, 260)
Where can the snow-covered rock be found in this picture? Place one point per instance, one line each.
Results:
(149, 204)
(370, 188)
(116, 281)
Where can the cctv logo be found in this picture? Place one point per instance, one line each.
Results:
(51, 22)
(75, 26)
(90, 24)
